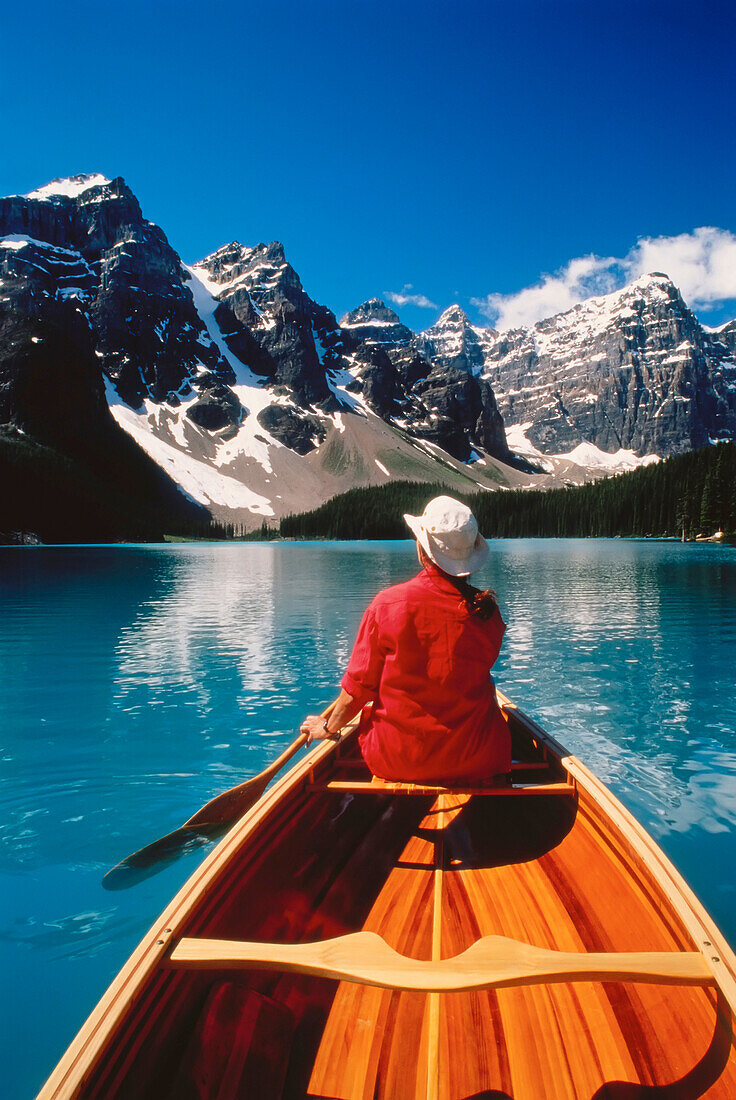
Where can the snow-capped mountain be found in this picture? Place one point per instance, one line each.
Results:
(453, 342)
(245, 391)
(255, 401)
(437, 400)
(632, 371)
(52, 396)
(376, 324)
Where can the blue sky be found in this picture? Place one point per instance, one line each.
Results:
(460, 149)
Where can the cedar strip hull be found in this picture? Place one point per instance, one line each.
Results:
(431, 875)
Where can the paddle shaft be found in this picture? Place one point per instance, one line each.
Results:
(226, 806)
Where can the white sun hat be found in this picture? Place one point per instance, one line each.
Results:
(448, 532)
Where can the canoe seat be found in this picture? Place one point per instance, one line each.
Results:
(492, 962)
(385, 786)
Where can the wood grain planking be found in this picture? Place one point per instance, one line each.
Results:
(553, 1042)
(432, 1007)
(353, 1063)
(532, 1013)
(526, 902)
(654, 1018)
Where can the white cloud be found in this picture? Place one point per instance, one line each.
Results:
(702, 264)
(581, 278)
(404, 297)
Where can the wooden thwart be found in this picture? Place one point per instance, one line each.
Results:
(383, 786)
(494, 962)
(359, 764)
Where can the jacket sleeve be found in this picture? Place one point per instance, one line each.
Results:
(496, 631)
(363, 673)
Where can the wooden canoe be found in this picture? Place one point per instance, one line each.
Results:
(356, 939)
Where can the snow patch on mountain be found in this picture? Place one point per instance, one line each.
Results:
(17, 241)
(585, 454)
(593, 458)
(70, 187)
(197, 479)
(339, 380)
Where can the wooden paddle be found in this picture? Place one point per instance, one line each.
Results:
(210, 822)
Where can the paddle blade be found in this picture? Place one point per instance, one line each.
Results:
(154, 857)
(210, 822)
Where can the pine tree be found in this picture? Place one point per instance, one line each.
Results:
(708, 506)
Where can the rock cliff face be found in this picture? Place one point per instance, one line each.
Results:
(725, 336)
(632, 370)
(273, 326)
(122, 272)
(294, 338)
(213, 370)
(52, 396)
(416, 382)
(155, 348)
(375, 324)
(304, 355)
(454, 342)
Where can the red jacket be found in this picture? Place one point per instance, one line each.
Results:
(425, 660)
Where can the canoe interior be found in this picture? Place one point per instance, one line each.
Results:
(431, 878)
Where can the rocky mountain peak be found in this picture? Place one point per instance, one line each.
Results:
(235, 264)
(631, 370)
(453, 343)
(653, 286)
(91, 250)
(231, 357)
(374, 309)
(226, 263)
(70, 187)
(373, 322)
(226, 253)
(453, 315)
(275, 328)
(88, 213)
(273, 252)
(653, 278)
(726, 336)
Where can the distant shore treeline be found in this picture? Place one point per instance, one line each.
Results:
(693, 493)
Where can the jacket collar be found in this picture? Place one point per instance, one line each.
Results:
(434, 575)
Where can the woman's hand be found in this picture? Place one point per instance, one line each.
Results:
(338, 715)
(314, 727)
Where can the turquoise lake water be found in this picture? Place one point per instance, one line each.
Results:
(137, 682)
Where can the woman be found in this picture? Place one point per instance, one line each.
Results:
(423, 657)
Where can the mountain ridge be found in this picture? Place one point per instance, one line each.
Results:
(252, 397)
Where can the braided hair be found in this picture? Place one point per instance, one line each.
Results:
(482, 603)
